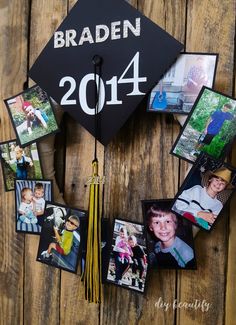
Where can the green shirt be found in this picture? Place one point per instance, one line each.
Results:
(66, 241)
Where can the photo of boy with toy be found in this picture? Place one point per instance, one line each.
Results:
(61, 236)
(128, 262)
(209, 128)
(205, 191)
(32, 115)
(30, 197)
(19, 163)
(169, 238)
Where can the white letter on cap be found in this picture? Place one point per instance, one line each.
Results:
(86, 36)
(70, 36)
(135, 30)
(100, 38)
(115, 30)
(59, 39)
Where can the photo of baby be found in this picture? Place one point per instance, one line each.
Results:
(30, 197)
(61, 237)
(20, 163)
(27, 208)
(205, 191)
(169, 238)
(128, 263)
(32, 115)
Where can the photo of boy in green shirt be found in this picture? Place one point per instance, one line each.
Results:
(64, 241)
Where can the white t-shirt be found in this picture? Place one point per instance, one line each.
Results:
(39, 203)
(24, 208)
(196, 199)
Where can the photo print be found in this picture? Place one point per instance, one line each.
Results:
(128, 263)
(169, 237)
(31, 115)
(62, 236)
(30, 198)
(210, 128)
(177, 91)
(19, 163)
(206, 189)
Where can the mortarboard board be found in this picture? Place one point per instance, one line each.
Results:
(135, 53)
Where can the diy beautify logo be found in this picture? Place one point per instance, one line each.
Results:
(196, 304)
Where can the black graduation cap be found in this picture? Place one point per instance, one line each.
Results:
(134, 53)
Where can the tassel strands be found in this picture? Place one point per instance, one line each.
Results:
(92, 276)
(93, 269)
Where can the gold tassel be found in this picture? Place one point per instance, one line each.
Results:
(92, 274)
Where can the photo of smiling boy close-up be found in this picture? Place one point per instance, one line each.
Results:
(169, 238)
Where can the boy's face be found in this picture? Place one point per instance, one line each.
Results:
(163, 228)
(225, 109)
(131, 243)
(30, 114)
(19, 153)
(72, 224)
(217, 184)
(38, 193)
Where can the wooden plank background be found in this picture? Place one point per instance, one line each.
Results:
(136, 165)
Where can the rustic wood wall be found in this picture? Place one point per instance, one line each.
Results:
(136, 165)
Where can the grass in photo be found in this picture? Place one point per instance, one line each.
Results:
(32, 115)
(19, 163)
(211, 127)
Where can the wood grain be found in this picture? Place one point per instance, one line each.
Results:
(214, 33)
(13, 67)
(42, 283)
(137, 165)
(231, 258)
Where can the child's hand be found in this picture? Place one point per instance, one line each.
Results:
(208, 216)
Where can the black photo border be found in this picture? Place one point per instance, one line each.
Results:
(144, 211)
(30, 180)
(18, 144)
(85, 217)
(189, 176)
(227, 146)
(13, 123)
(110, 251)
(213, 84)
